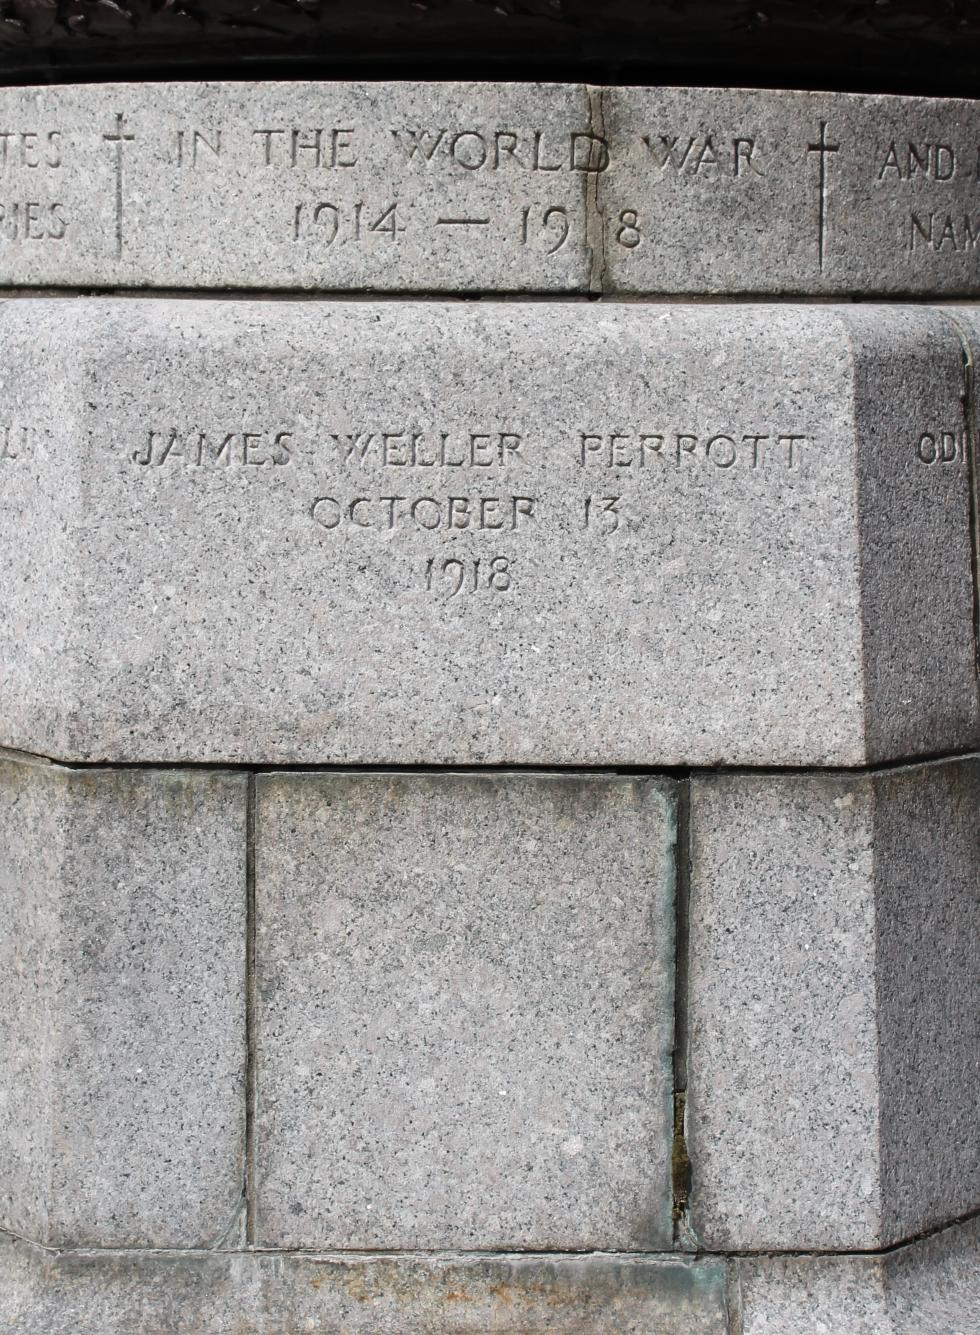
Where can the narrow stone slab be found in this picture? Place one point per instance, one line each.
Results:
(464, 1011)
(342, 186)
(77, 1293)
(547, 533)
(929, 1288)
(737, 190)
(122, 990)
(835, 1007)
(488, 187)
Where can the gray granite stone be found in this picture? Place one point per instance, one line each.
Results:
(343, 186)
(218, 546)
(121, 985)
(929, 1288)
(966, 319)
(464, 1011)
(754, 191)
(834, 1006)
(488, 187)
(77, 1293)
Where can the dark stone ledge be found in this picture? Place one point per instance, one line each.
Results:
(928, 46)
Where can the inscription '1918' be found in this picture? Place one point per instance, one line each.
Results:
(452, 575)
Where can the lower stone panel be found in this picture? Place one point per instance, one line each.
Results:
(126, 1293)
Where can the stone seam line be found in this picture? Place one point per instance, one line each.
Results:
(251, 1069)
(356, 1254)
(595, 220)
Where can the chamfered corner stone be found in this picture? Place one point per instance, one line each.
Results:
(913, 490)
(931, 1287)
(834, 1006)
(965, 317)
(464, 1011)
(229, 538)
(122, 1048)
(221, 1293)
(734, 190)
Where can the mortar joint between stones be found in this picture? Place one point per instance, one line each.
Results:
(680, 1162)
(248, 1184)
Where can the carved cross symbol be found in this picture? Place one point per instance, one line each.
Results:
(119, 138)
(823, 148)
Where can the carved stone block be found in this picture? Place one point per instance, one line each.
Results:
(835, 1007)
(749, 190)
(122, 963)
(427, 533)
(462, 187)
(464, 1012)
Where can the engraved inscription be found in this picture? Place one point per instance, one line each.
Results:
(28, 218)
(942, 232)
(32, 220)
(822, 148)
(671, 191)
(313, 149)
(326, 223)
(215, 449)
(426, 449)
(481, 455)
(941, 447)
(722, 450)
(628, 231)
(602, 512)
(453, 576)
(15, 442)
(424, 512)
(118, 138)
(904, 162)
(195, 148)
(472, 491)
(496, 150)
(32, 149)
(710, 156)
(551, 224)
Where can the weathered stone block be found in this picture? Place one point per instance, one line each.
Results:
(401, 186)
(929, 1288)
(416, 187)
(464, 1011)
(748, 190)
(549, 534)
(122, 1047)
(835, 1006)
(77, 1293)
